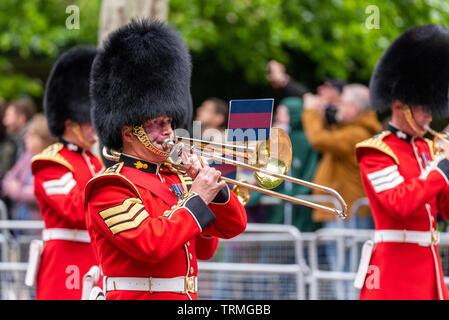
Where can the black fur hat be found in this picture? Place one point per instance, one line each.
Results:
(142, 72)
(67, 89)
(414, 70)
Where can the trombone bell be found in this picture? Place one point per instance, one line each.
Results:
(274, 155)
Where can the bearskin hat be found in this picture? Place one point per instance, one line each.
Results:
(67, 89)
(142, 72)
(414, 70)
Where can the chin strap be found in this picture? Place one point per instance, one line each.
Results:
(143, 138)
(77, 131)
(409, 118)
(110, 154)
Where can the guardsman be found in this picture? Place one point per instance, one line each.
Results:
(405, 182)
(61, 173)
(150, 222)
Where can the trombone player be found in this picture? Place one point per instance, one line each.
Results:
(407, 186)
(149, 222)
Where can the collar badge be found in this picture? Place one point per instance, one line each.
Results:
(140, 165)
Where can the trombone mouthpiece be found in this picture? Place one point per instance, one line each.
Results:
(168, 143)
(430, 130)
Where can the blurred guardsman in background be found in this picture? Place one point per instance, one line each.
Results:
(150, 222)
(61, 173)
(405, 183)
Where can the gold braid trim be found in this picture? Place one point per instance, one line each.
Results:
(143, 138)
(115, 171)
(51, 153)
(377, 143)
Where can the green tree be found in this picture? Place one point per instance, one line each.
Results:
(33, 34)
(335, 35)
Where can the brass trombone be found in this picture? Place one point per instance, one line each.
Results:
(270, 170)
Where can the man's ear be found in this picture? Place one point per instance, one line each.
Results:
(127, 134)
(68, 125)
(396, 105)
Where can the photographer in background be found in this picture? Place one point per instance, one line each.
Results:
(338, 167)
(353, 122)
(330, 92)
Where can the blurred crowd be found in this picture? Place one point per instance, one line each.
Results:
(23, 134)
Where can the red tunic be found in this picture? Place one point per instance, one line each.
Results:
(60, 176)
(406, 190)
(142, 229)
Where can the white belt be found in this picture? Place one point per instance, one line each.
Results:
(423, 238)
(178, 284)
(65, 234)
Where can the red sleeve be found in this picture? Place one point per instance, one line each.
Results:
(205, 247)
(55, 185)
(230, 216)
(383, 180)
(146, 233)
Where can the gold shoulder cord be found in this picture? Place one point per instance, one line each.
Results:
(142, 136)
(115, 171)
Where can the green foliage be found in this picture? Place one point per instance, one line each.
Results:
(332, 34)
(36, 30)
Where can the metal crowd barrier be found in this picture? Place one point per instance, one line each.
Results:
(265, 262)
(349, 242)
(14, 255)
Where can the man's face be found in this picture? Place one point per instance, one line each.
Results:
(282, 116)
(13, 121)
(206, 113)
(347, 110)
(158, 130)
(328, 93)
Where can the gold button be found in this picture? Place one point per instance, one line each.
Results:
(188, 243)
(190, 256)
(191, 270)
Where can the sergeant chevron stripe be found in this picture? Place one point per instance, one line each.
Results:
(128, 215)
(61, 186)
(385, 179)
